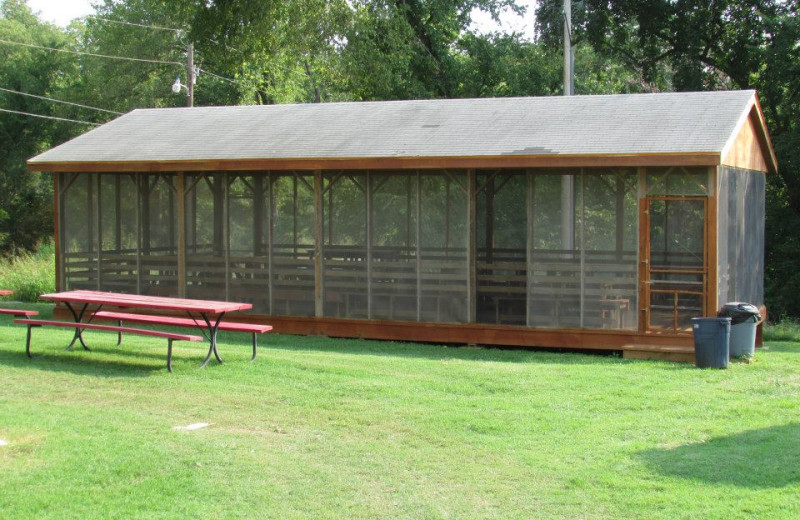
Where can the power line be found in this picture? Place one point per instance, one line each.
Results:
(223, 78)
(49, 117)
(123, 58)
(154, 27)
(59, 101)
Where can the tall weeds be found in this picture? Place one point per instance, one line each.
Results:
(29, 274)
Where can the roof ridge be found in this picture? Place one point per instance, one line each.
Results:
(555, 98)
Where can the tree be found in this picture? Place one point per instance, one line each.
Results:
(722, 44)
(26, 198)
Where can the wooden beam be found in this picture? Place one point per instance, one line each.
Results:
(389, 163)
(471, 333)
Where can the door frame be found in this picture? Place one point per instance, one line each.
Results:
(709, 259)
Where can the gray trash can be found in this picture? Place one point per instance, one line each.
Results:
(711, 347)
(744, 319)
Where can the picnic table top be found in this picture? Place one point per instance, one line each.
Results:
(146, 302)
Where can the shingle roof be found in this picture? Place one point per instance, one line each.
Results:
(611, 124)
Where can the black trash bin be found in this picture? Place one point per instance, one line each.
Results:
(744, 318)
(711, 342)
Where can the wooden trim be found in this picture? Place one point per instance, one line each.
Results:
(383, 163)
(764, 137)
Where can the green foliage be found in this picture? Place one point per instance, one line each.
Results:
(29, 274)
(25, 198)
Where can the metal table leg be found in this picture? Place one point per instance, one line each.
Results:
(78, 317)
(212, 334)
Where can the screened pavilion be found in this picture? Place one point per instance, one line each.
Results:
(572, 222)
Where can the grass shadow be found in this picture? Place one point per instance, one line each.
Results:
(763, 458)
(83, 365)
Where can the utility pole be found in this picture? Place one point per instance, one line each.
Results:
(568, 54)
(190, 74)
(567, 181)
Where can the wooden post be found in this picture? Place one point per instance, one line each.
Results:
(58, 230)
(90, 212)
(219, 217)
(368, 195)
(582, 242)
(99, 260)
(226, 230)
(419, 246)
(319, 307)
(144, 213)
(711, 245)
(294, 213)
(643, 311)
(258, 214)
(270, 236)
(489, 193)
(530, 233)
(472, 290)
(140, 196)
(620, 214)
(181, 188)
(118, 212)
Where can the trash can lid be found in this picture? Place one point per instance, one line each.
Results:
(740, 312)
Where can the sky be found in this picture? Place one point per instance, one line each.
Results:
(61, 12)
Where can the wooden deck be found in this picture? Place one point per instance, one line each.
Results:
(632, 344)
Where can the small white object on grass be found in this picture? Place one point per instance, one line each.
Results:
(190, 427)
(3, 442)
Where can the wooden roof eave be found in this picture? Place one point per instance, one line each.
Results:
(398, 163)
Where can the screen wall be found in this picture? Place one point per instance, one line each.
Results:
(554, 249)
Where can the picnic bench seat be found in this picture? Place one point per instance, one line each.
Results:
(174, 321)
(19, 312)
(170, 336)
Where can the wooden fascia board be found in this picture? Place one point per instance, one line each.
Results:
(390, 163)
(764, 138)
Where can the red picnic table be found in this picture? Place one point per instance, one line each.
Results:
(206, 312)
(6, 292)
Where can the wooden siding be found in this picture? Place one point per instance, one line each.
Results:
(747, 149)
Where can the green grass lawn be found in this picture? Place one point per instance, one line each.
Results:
(326, 428)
